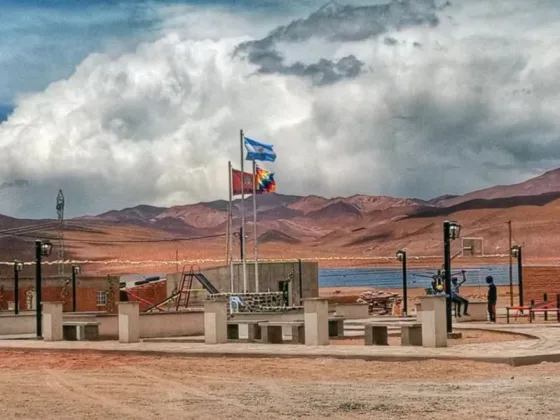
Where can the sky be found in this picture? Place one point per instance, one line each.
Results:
(120, 103)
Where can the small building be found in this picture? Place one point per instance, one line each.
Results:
(93, 293)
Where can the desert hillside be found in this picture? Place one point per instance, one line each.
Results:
(365, 229)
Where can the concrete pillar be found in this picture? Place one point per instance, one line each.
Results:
(434, 325)
(215, 322)
(52, 321)
(316, 317)
(129, 322)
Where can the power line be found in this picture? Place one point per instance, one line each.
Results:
(29, 228)
(223, 260)
(120, 241)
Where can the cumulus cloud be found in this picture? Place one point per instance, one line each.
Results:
(446, 106)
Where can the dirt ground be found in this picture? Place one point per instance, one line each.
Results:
(468, 337)
(88, 386)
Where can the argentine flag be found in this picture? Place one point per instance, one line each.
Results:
(259, 151)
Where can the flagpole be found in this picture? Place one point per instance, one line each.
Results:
(227, 231)
(242, 232)
(255, 244)
(230, 227)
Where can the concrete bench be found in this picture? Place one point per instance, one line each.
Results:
(80, 331)
(376, 333)
(271, 332)
(253, 329)
(336, 326)
(478, 311)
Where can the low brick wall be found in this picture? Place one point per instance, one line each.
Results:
(152, 292)
(254, 302)
(538, 280)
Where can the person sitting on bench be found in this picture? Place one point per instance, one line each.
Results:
(457, 298)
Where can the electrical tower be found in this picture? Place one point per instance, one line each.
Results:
(60, 214)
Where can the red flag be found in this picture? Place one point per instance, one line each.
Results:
(236, 183)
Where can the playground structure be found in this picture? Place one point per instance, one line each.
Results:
(186, 296)
(181, 299)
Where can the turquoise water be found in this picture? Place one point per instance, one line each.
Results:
(383, 278)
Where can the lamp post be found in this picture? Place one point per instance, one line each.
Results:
(75, 271)
(401, 256)
(516, 252)
(451, 231)
(18, 266)
(42, 249)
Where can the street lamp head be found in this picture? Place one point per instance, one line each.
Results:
(18, 265)
(454, 230)
(46, 248)
(401, 255)
(76, 269)
(515, 251)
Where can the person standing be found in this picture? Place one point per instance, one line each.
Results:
(492, 299)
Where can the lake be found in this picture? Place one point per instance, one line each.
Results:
(391, 278)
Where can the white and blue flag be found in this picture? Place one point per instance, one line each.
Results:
(259, 151)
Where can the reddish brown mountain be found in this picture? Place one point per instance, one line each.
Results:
(357, 225)
(547, 183)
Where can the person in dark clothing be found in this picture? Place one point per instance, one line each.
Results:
(492, 298)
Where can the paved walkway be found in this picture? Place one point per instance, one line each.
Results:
(545, 348)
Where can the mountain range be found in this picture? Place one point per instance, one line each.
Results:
(313, 217)
(359, 225)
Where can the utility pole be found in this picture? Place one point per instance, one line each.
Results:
(510, 265)
(241, 240)
(447, 268)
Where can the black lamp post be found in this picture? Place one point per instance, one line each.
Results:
(516, 252)
(18, 266)
(42, 249)
(75, 272)
(451, 231)
(401, 256)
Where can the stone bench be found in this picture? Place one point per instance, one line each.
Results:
(271, 332)
(376, 333)
(478, 311)
(253, 329)
(80, 331)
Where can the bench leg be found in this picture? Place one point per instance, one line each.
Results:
(507, 315)
(91, 332)
(80, 333)
(253, 333)
(411, 336)
(271, 334)
(69, 333)
(298, 334)
(233, 331)
(376, 336)
(336, 328)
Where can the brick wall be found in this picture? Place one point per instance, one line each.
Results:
(152, 292)
(540, 280)
(56, 290)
